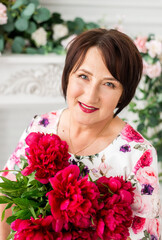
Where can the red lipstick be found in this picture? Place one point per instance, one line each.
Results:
(87, 109)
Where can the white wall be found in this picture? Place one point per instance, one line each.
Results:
(139, 17)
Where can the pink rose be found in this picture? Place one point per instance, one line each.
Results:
(144, 161)
(154, 70)
(147, 175)
(129, 134)
(138, 205)
(3, 14)
(138, 224)
(140, 43)
(153, 227)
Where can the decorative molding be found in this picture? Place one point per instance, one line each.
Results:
(43, 81)
(105, 3)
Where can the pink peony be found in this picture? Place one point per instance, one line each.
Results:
(73, 199)
(147, 175)
(140, 43)
(138, 224)
(153, 227)
(46, 154)
(3, 14)
(38, 229)
(129, 134)
(154, 70)
(144, 161)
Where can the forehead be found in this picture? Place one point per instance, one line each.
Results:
(92, 58)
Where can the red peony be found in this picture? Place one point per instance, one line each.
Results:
(73, 199)
(47, 154)
(115, 217)
(34, 229)
(138, 224)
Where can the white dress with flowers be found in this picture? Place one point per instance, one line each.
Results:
(129, 155)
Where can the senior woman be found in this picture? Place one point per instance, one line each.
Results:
(100, 77)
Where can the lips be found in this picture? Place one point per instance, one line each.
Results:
(87, 109)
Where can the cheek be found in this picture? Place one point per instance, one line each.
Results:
(73, 91)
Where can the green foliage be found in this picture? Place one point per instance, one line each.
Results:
(26, 196)
(25, 17)
(149, 122)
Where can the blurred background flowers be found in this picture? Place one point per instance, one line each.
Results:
(26, 27)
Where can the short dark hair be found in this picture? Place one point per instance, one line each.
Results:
(121, 56)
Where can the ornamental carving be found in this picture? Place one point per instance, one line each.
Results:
(43, 81)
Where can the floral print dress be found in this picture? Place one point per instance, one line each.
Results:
(129, 155)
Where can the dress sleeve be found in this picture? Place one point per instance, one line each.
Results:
(14, 161)
(146, 206)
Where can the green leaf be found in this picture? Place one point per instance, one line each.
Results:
(42, 15)
(31, 28)
(35, 2)
(28, 11)
(31, 50)
(11, 236)
(1, 43)
(11, 219)
(18, 44)
(59, 50)
(23, 214)
(4, 199)
(25, 203)
(21, 24)
(19, 3)
(9, 27)
(9, 205)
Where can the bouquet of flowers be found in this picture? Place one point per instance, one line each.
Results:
(53, 199)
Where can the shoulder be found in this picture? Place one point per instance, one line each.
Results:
(46, 123)
(140, 150)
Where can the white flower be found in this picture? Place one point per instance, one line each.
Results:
(154, 48)
(59, 31)
(40, 37)
(66, 41)
(3, 14)
(154, 70)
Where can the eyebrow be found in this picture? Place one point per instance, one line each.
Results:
(105, 78)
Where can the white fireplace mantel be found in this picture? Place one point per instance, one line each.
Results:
(28, 78)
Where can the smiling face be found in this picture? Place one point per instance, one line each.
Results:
(92, 92)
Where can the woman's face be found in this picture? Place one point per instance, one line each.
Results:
(92, 92)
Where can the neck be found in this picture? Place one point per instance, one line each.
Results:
(83, 132)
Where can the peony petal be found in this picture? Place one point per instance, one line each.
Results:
(28, 170)
(100, 228)
(64, 204)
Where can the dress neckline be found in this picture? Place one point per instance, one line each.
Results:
(88, 156)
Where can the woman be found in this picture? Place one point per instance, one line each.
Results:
(101, 73)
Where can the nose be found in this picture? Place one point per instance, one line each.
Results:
(92, 94)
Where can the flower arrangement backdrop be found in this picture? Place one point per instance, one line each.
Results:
(26, 27)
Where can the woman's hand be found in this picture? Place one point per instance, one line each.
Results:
(4, 227)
